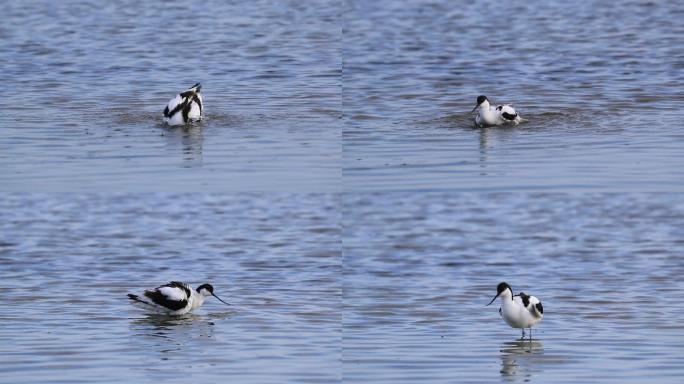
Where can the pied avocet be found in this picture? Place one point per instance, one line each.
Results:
(489, 115)
(174, 298)
(519, 311)
(185, 108)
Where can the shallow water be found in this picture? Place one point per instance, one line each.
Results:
(85, 85)
(600, 83)
(358, 97)
(67, 262)
(420, 268)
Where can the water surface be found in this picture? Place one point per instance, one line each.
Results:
(67, 262)
(420, 268)
(86, 82)
(600, 83)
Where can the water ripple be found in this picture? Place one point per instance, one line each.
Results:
(420, 267)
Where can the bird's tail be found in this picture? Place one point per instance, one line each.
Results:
(192, 90)
(138, 302)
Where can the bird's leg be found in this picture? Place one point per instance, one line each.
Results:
(530, 334)
(523, 334)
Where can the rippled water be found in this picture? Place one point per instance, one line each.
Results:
(385, 282)
(600, 83)
(67, 262)
(86, 82)
(420, 268)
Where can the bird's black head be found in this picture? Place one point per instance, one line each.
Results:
(198, 87)
(481, 99)
(208, 287)
(502, 287)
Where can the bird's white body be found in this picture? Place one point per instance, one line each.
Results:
(516, 314)
(519, 311)
(185, 108)
(175, 298)
(488, 115)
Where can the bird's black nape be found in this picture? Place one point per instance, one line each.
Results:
(480, 99)
(208, 287)
(502, 287)
(499, 290)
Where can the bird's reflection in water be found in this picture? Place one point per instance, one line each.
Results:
(171, 333)
(518, 357)
(190, 139)
(489, 138)
(164, 322)
(484, 146)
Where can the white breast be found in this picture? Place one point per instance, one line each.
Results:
(196, 301)
(487, 116)
(516, 315)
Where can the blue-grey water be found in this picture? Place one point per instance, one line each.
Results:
(420, 268)
(385, 283)
(85, 83)
(601, 83)
(68, 261)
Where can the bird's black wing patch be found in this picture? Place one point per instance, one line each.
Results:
(166, 111)
(178, 284)
(187, 94)
(186, 110)
(159, 299)
(177, 108)
(525, 299)
(540, 308)
(499, 107)
(509, 116)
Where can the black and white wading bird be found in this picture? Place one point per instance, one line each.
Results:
(185, 108)
(174, 298)
(519, 311)
(488, 115)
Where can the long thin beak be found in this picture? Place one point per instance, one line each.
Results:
(497, 295)
(475, 108)
(220, 299)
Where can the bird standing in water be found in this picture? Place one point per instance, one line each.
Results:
(519, 311)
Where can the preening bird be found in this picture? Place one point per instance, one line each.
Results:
(174, 298)
(488, 115)
(185, 108)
